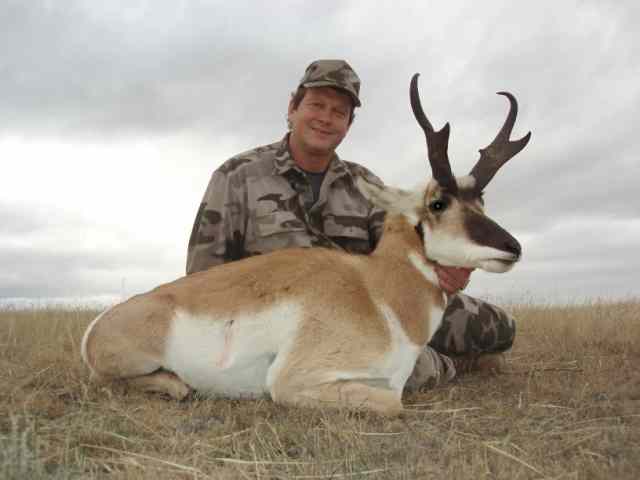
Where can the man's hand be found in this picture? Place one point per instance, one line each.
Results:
(453, 279)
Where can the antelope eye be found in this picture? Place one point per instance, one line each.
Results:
(437, 206)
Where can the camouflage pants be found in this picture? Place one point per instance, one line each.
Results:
(468, 326)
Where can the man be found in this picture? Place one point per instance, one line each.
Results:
(298, 193)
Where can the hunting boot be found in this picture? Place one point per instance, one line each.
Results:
(484, 363)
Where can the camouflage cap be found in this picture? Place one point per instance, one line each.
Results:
(333, 73)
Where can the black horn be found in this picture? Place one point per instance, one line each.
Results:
(501, 149)
(437, 142)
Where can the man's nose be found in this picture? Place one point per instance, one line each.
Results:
(324, 115)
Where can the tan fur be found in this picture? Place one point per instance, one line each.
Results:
(355, 316)
(347, 393)
(138, 326)
(452, 220)
(315, 326)
(402, 287)
(161, 382)
(339, 293)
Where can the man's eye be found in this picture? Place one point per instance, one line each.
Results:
(437, 206)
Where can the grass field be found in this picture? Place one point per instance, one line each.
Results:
(568, 407)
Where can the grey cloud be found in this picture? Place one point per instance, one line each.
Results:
(114, 72)
(15, 220)
(591, 258)
(222, 73)
(50, 271)
(62, 254)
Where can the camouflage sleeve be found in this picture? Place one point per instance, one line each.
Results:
(218, 230)
(376, 223)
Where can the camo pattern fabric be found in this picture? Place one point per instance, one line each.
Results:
(261, 201)
(333, 73)
(431, 369)
(469, 326)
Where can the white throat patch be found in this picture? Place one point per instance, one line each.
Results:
(426, 270)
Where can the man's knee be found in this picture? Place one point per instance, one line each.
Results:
(472, 325)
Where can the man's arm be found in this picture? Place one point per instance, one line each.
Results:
(375, 220)
(376, 224)
(218, 230)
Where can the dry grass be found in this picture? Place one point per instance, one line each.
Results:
(568, 408)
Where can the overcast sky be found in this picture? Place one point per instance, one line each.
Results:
(113, 115)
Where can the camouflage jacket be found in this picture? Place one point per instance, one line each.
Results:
(260, 201)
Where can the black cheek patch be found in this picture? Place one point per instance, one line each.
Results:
(420, 231)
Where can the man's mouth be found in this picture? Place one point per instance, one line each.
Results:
(320, 131)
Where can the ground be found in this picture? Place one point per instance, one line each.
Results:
(568, 407)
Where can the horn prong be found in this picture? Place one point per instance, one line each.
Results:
(498, 152)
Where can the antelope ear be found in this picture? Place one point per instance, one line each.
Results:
(393, 200)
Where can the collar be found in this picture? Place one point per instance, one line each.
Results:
(284, 163)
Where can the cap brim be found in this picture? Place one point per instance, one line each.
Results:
(325, 83)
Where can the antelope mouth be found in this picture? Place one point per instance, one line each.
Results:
(498, 265)
(507, 261)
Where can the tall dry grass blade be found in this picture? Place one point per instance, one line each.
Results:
(346, 475)
(514, 458)
(224, 437)
(436, 412)
(381, 434)
(272, 462)
(550, 405)
(185, 468)
(575, 444)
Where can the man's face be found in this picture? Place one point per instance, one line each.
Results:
(321, 120)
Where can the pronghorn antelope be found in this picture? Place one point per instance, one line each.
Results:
(315, 326)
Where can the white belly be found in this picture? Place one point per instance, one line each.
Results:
(237, 356)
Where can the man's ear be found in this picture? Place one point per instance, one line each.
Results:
(291, 108)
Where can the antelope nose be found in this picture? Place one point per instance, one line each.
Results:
(512, 246)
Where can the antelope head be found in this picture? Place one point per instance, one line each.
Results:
(449, 213)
